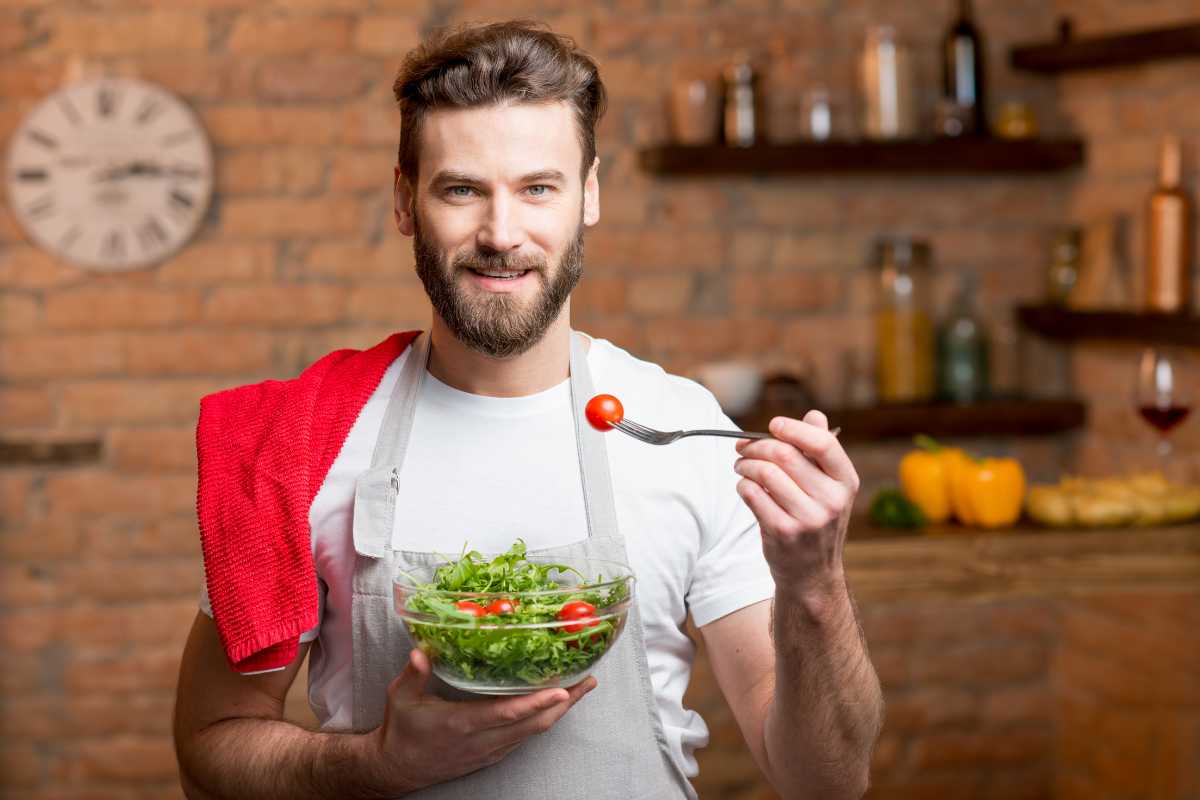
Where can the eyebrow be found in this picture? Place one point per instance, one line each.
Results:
(454, 176)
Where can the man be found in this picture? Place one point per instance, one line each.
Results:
(475, 428)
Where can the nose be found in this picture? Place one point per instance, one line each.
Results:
(501, 230)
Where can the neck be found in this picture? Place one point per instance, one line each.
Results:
(539, 368)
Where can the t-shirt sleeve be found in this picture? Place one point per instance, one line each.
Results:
(307, 636)
(731, 571)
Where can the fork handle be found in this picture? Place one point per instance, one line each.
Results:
(730, 434)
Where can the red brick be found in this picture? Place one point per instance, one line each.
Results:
(21, 765)
(377, 123)
(198, 353)
(21, 79)
(403, 305)
(19, 312)
(386, 35)
(391, 258)
(788, 292)
(61, 355)
(653, 295)
(1018, 704)
(28, 586)
(90, 403)
(116, 715)
(195, 77)
(359, 170)
(126, 758)
(598, 295)
(294, 170)
(304, 305)
(153, 449)
(219, 264)
(25, 407)
(121, 307)
(166, 621)
(290, 217)
(99, 492)
(967, 749)
(133, 580)
(46, 538)
(274, 34)
(649, 251)
(33, 716)
(27, 267)
(23, 631)
(125, 669)
(239, 126)
(122, 537)
(324, 78)
(127, 33)
(982, 664)
(928, 707)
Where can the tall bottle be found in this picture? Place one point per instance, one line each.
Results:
(1169, 235)
(962, 68)
(962, 349)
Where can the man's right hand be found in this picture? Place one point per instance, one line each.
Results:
(425, 740)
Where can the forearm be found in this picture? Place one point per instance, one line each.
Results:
(266, 759)
(827, 707)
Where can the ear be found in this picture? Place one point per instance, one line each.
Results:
(591, 195)
(402, 196)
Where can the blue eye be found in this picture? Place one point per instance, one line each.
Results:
(459, 191)
(534, 190)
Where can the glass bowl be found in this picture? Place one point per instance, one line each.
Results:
(521, 652)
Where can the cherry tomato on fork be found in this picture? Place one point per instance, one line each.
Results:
(603, 411)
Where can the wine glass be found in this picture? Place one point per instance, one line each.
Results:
(1162, 398)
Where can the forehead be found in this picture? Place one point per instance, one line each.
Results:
(500, 141)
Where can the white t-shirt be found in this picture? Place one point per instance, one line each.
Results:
(487, 470)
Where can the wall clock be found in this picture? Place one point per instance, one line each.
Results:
(110, 174)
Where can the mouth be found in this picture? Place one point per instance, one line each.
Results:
(501, 275)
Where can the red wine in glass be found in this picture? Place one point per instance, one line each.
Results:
(1164, 417)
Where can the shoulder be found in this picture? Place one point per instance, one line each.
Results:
(647, 391)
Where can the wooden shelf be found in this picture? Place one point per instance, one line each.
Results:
(1135, 47)
(997, 417)
(49, 453)
(965, 155)
(1063, 323)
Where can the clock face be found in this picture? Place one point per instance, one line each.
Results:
(110, 174)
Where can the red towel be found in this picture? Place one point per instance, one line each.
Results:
(263, 453)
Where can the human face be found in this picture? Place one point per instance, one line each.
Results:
(497, 213)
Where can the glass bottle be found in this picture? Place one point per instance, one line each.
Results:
(903, 329)
(741, 124)
(962, 349)
(888, 83)
(962, 69)
(1063, 271)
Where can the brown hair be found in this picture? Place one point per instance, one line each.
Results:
(520, 61)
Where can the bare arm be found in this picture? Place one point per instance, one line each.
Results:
(232, 742)
(231, 739)
(807, 705)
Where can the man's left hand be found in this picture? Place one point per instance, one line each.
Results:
(801, 487)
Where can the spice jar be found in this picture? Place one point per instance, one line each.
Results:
(741, 123)
(888, 83)
(904, 342)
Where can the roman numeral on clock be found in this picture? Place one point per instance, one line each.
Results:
(151, 234)
(113, 246)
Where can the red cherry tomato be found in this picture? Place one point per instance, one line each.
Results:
(501, 606)
(474, 609)
(580, 610)
(603, 411)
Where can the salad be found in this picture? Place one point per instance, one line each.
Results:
(513, 621)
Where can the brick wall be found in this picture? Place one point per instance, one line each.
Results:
(99, 563)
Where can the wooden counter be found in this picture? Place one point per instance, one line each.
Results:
(956, 563)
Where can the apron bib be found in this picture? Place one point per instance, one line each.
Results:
(610, 746)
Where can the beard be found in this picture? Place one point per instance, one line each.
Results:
(497, 325)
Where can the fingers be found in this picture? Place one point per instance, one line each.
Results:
(801, 491)
(812, 437)
(507, 736)
(410, 684)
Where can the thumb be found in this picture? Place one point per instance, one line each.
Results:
(410, 684)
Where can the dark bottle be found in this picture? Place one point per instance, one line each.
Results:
(962, 68)
(962, 349)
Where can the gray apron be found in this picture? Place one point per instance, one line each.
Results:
(610, 746)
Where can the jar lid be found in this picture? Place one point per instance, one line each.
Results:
(900, 251)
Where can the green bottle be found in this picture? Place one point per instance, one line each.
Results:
(962, 349)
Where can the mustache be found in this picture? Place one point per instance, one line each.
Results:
(507, 262)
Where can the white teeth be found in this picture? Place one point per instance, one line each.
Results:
(500, 274)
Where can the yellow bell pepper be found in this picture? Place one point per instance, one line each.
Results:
(988, 492)
(925, 478)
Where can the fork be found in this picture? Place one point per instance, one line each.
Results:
(652, 436)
